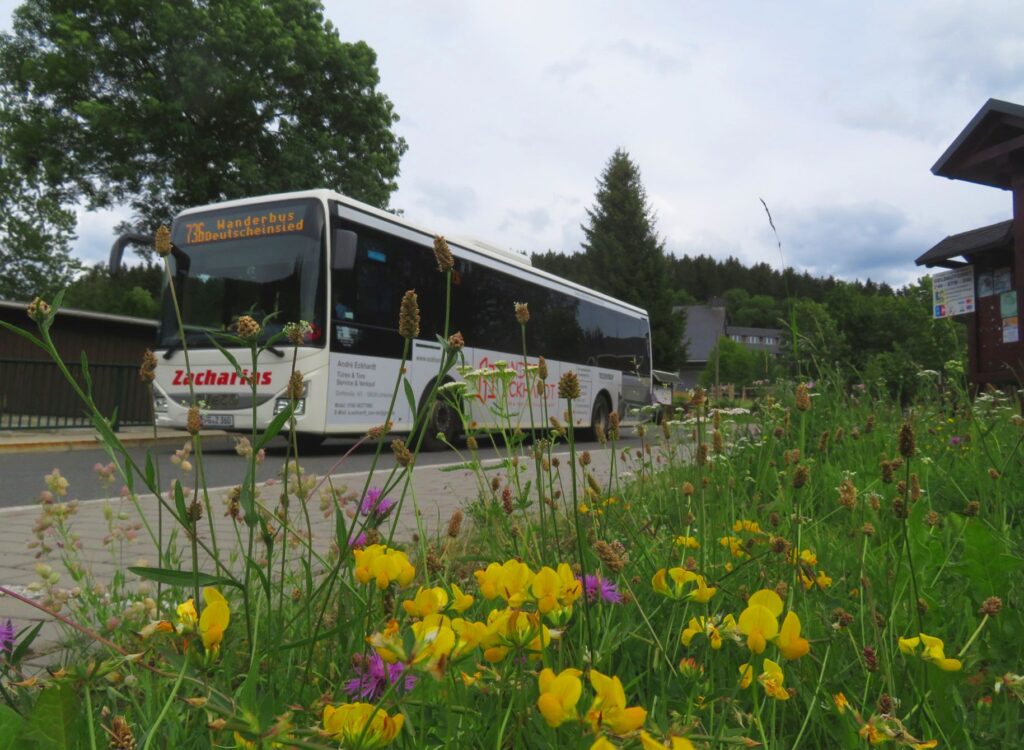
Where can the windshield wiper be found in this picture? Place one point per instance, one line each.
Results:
(174, 346)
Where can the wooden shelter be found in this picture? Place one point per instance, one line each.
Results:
(990, 151)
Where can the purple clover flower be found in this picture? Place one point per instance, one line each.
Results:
(595, 586)
(7, 637)
(955, 440)
(359, 542)
(374, 504)
(373, 677)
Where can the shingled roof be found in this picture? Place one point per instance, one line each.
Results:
(984, 151)
(971, 242)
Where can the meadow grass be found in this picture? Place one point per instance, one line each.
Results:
(828, 569)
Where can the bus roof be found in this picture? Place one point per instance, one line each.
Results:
(464, 243)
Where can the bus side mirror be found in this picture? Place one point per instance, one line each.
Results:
(343, 250)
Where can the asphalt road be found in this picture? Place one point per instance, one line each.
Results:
(22, 473)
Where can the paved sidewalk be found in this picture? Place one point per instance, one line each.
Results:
(79, 438)
(438, 491)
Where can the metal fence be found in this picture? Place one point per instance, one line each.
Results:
(35, 395)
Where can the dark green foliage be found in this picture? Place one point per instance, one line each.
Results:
(135, 291)
(166, 105)
(736, 364)
(35, 229)
(624, 257)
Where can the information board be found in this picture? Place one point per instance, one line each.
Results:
(953, 292)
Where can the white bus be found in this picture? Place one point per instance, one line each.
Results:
(343, 266)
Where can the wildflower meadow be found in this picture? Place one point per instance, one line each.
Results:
(824, 567)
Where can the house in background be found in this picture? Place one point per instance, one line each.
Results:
(759, 339)
(705, 324)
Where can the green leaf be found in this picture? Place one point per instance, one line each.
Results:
(258, 570)
(410, 397)
(23, 333)
(51, 723)
(11, 728)
(86, 377)
(151, 472)
(274, 427)
(179, 504)
(987, 561)
(248, 501)
(227, 355)
(183, 578)
(24, 643)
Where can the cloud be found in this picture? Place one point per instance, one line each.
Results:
(536, 220)
(446, 201)
(864, 240)
(649, 56)
(564, 70)
(96, 233)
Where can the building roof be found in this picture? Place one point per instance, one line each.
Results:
(972, 242)
(982, 152)
(704, 326)
(87, 314)
(749, 331)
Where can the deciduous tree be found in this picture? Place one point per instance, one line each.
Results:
(164, 105)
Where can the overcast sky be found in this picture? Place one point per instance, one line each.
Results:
(831, 112)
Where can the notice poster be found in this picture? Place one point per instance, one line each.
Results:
(1001, 280)
(1008, 305)
(953, 292)
(359, 392)
(986, 284)
(1011, 330)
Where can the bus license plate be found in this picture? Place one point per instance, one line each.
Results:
(218, 420)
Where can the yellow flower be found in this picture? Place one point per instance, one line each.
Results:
(555, 589)
(746, 675)
(771, 679)
(734, 545)
(675, 743)
(602, 743)
(383, 565)
(427, 602)
(758, 621)
(683, 583)
(559, 695)
(510, 581)
(930, 649)
(789, 641)
(841, 702)
(435, 641)
(688, 542)
(751, 527)
(214, 620)
(187, 616)
(361, 725)
(609, 710)
(709, 627)
(461, 602)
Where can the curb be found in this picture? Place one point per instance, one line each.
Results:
(86, 442)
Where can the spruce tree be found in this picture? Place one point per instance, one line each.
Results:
(625, 258)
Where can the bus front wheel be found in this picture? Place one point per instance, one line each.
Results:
(444, 418)
(599, 417)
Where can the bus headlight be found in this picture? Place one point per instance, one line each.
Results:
(160, 404)
(282, 403)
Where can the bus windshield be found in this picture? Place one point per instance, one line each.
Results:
(259, 260)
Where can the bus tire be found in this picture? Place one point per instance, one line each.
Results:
(599, 417)
(308, 441)
(443, 418)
